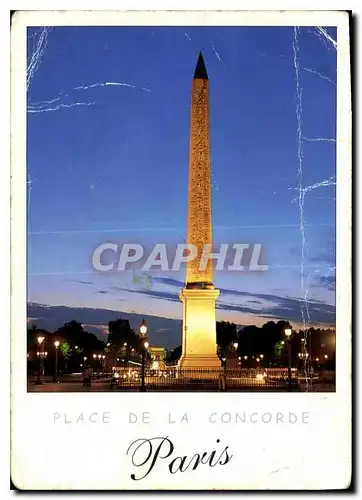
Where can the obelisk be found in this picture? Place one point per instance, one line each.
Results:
(199, 348)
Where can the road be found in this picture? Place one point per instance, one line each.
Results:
(104, 386)
(67, 386)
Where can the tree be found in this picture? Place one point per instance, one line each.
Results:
(122, 339)
(279, 349)
(249, 340)
(72, 331)
(87, 343)
(66, 352)
(225, 334)
(173, 356)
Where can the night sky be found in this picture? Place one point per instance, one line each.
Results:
(108, 136)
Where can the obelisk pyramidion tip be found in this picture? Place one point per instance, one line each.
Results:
(200, 71)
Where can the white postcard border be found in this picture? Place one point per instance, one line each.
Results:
(47, 455)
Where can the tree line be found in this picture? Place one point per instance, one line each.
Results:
(122, 344)
(269, 341)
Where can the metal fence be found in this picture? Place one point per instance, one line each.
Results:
(178, 379)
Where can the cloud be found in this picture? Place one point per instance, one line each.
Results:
(154, 294)
(236, 307)
(168, 281)
(326, 253)
(82, 282)
(102, 328)
(328, 282)
(102, 291)
(288, 308)
(162, 331)
(278, 307)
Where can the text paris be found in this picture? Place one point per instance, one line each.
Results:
(145, 453)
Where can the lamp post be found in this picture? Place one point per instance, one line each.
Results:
(261, 356)
(125, 350)
(143, 334)
(288, 334)
(56, 345)
(40, 341)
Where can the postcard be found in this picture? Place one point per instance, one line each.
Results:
(181, 251)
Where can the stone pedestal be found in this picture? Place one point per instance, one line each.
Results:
(199, 348)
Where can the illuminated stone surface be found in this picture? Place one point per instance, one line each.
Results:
(199, 228)
(199, 326)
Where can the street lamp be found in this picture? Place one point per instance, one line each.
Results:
(288, 334)
(98, 365)
(143, 328)
(56, 345)
(236, 345)
(40, 341)
(143, 333)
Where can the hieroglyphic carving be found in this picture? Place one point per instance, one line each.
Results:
(199, 228)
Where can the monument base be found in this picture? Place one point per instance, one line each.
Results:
(199, 349)
(199, 363)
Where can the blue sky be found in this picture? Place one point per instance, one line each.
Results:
(109, 162)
